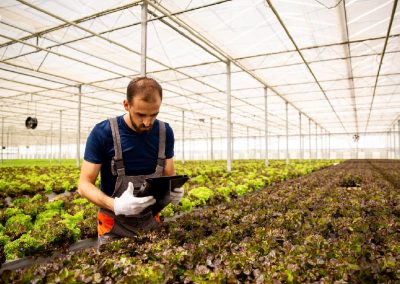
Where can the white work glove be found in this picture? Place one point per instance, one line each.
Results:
(176, 195)
(128, 205)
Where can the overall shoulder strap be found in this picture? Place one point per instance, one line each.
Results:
(161, 145)
(117, 163)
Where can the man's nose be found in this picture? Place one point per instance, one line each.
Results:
(147, 122)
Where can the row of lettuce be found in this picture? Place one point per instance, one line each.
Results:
(33, 225)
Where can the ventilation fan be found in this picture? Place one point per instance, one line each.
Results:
(31, 122)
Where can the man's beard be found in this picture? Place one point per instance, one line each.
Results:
(141, 129)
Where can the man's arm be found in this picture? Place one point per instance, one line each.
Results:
(87, 188)
(169, 169)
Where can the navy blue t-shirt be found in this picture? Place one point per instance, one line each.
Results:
(139, 151)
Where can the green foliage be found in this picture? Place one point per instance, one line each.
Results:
(225, 192)
(4, 239)
(45, 216)
(80, 201)
(242, 189)
(37, 197)
(168, 211)
(38, 163)
(256, 184)
(24, 187)
(48, 187)
(200, 180)
(3, 185)
(71, 222)
(56, 205)
(186, 205)
(201, 194)
(21, 200)
(18, 225)
(12, 211)
(25, 245)
(67, 186)
(56, 232)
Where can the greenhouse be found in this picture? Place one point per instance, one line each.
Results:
(286, 124)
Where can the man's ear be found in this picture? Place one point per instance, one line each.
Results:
(126, 105)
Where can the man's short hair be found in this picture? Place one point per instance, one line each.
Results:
(145, 86)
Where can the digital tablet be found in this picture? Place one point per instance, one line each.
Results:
(159, 187)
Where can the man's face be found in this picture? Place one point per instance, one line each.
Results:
(142, 113)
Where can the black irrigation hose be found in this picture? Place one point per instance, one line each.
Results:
(30, 260)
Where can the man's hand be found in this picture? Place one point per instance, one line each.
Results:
(176, 195)
(129, 205)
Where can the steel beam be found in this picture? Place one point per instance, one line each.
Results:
(228, 118)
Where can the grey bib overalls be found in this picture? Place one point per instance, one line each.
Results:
(110, 225)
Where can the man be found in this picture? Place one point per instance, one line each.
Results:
(126, 150)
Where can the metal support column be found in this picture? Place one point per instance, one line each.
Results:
(60, 135)
(143, 48)
(300, 139)
(206, 142)
(2, 138)
(287, 133)
(323, 148)
(233, 143)
(247, 142)
(78, 134)
(266, 126)
(321, 142)
(323, 153)
(211, 140)
(183, 136)
(9, 141)
(279, 147)
(309, 137)
(391, 143)
(356, 149)
(51, 142)
(394, 143)
(259, 144)
(326, 143)
(45, 146)
(387, 145)
(329, 146)
(228, 114)
(316, 141)
(190, 146)
(398, 132)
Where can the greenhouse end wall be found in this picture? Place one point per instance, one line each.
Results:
(337, 147)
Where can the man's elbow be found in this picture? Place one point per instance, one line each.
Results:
(81, 189)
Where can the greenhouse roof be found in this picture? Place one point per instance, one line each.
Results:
(335, 62)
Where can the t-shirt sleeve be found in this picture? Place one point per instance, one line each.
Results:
(94, 151)
(169, 144)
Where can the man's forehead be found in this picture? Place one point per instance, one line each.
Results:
(150, 97)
